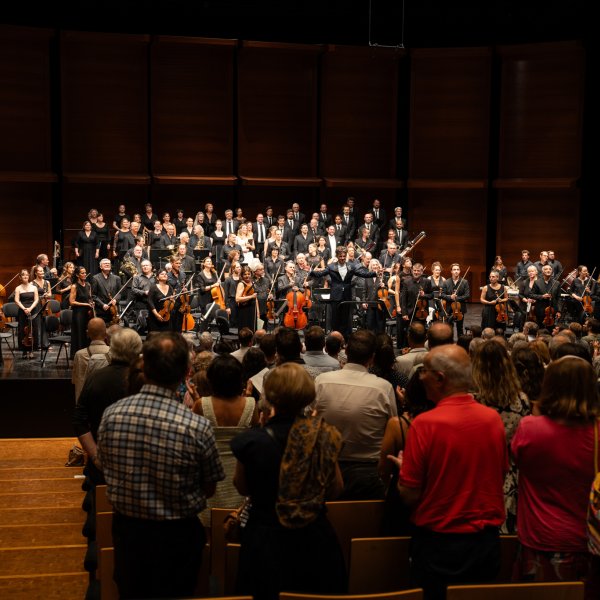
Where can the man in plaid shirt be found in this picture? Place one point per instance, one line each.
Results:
(161, 463)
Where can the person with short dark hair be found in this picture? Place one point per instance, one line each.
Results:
(161, 463)
(359, 404)
(438, 334)
(314, 341)
(245, 339)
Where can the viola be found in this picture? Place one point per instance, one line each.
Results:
(165, 311)
(457, 315)
(421, 308)
(27, 340)
(501, 314)
(440, 313)
(295, 317)
(587, 304)
(549, 317)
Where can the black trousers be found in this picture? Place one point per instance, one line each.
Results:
(443, 559)
(157, 559)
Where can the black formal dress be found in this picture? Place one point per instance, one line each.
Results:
(489, 314)
(24, 321)
(87, 246)
(156, 300)
(204, 282)
(246, 313)
(81, 316)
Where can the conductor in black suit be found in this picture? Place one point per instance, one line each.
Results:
(340, 275)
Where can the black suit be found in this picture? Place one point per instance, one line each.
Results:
(325, 220)
(289, 233)
(381, 219)
(301, 244)
(373, 232)
(299, 218)
(341, 291)
(350, 226)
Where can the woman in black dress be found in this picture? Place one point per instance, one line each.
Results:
(274, 263)
(207, 280)
(245, 297)
(44, 294)
(323, 249)
(63, 287)
(27, 299)
(81, 304)
(87, 249)
(218, 238)
(158, 295)
(102, 231)
(300, 547)
(492, 296)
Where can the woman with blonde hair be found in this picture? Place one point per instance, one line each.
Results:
(555, 454)
(497, 385)
(287, 527)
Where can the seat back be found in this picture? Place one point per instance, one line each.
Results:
(572, 590)
(66, 317)
(10, 310)
(54, 306)
(52, 324)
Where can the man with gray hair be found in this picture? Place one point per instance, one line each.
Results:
(96, 331)
(455, 491)
(101, 389)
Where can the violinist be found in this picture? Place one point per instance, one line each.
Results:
(312, 257)
(159, 303)
(80, 300)
(526, 301)
(26, 298)
(176, 279)
(438, 309)
(375, 314)
(105, 286)
(44, 294)
(65, 281)
(415, 293)
(456, 291)
(230, 287)
(140, 288)
(492, 297)
(246, 299)
(545, 292)
(188, 264)
(207, 280)
(584, 291)
(389, 258)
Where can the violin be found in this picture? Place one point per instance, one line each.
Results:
(165, 311)
(295, 317)
(271, 303)
(457, 315)
(27, 341)
(501, 314)
(188, 321)
(421, 308)
(384, 295)
(587, 304)
(442, 314)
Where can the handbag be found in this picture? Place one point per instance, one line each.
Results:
(235, 521)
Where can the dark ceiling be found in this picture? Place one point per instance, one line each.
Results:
(414, 23)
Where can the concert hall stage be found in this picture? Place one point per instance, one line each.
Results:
(37, 401)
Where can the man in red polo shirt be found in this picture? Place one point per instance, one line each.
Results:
(452, 474)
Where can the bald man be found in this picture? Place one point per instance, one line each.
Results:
(452, 474)
(96, 331)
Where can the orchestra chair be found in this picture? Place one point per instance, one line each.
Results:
(355, 519)
(570, 590)
(232, 557)
(415, 594)
(226, 333)
(4, 337)
(62, 340)
(11, 312)
(378, 565)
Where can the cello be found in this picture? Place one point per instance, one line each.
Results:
(295, 317)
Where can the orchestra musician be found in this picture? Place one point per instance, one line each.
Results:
(64, 284)
(188, 264)
(546, 292)
(289, 281)
(437, 284)
(160, 293)
(521, 269)
(230, 287)
(583, 285)
(80, 300)
(176, 279)
(262, 287)
(140, 289)
(245, 297)
(526, 307)
(389, 258)
(123, 241)
(457, 290)
(105, 286)
(206, 279)
(375, 315)
(413, 289)
(44, 294)
(492, 295)
(87, 248)
(169, 237)
(26, 298)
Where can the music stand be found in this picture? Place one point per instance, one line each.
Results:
(160, 256)
(200, 255)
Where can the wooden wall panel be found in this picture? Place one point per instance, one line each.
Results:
(455, 224)
(192, 106)
(25, 230)
(191, 199)
(25, 102)
(256, 199)
(359, 104)
(536, 221)
(450, 113)
(277, 110)
(104, 104)
(541, 111)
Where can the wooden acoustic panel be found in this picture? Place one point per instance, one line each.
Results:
(25, 227)
(536, 221)
(359, 104)
(104, 105)
(277, 110)
(254, 200)
(541, 111)
(192, 106)
(455, 224)
(450, 113)
(191, 199)
(25, 102)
